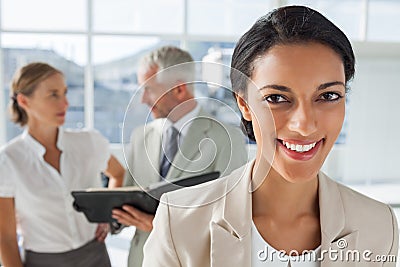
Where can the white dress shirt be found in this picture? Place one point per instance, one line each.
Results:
(45, 216)
(263, 254)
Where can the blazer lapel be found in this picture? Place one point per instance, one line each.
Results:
(342, 251)
(189, 150)
(152, 148)
(332, 219)
(231, 226)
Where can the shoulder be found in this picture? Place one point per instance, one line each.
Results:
(207, 194)
(375, 221)
(156, 124)
(199, 195)
(13, 156)
(372, 214)
(354, 201)
(14, 148)
(219, 129)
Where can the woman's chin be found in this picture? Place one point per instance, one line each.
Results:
(298, 176)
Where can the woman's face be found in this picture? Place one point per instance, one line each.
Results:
(48, 104)
(303, 86)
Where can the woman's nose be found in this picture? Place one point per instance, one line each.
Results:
(303, 120)
(66, 103)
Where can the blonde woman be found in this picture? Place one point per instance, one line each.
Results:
(39, 169)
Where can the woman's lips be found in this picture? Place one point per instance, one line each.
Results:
(300, 150)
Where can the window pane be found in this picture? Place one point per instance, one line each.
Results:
(58, 51)
(225, 17)
(347, 15)
(372, 122)
(224, 107)
(384, 20)
(150, 16)
(44, 14)
(116, 60)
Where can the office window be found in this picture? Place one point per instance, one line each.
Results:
(384, 20)
(43, 15)
(115, 65)
(347, 15)
(138, 16)
(101, 54)
(225, 17)
(222, 105)
(66, 53)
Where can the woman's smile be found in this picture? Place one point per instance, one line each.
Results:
(299, 150)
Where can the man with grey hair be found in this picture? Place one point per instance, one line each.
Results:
(169, 93)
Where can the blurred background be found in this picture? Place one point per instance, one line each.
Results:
(97, 44)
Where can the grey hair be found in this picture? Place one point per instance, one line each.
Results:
(167, 56)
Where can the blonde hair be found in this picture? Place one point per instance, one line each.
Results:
(25, 81)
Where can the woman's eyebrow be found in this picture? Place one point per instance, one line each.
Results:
(287, 89)
(276, 87)
(326, 85)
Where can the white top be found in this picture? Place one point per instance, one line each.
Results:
(263, 254)
(45, 216)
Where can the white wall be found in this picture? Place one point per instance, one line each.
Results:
(373, 142)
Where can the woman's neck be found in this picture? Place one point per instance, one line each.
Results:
(47, 136)
(280, 198)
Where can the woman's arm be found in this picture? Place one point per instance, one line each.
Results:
(8, 234)
(115, 172)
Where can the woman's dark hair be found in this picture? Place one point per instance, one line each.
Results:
(283, 26)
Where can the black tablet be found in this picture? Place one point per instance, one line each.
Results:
(97, 204)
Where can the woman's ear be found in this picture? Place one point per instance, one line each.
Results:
(23, 101)
(244, 108)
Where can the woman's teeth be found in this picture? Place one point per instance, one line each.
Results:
(299, 148)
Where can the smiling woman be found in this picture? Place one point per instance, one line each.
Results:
(290, 74)
(306, 98)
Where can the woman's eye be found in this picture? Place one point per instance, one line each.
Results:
(330, 96)
(273, 99)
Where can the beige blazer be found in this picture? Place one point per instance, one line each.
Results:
(217, 232)
(222, 148)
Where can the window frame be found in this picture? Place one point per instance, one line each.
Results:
(184, 38)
